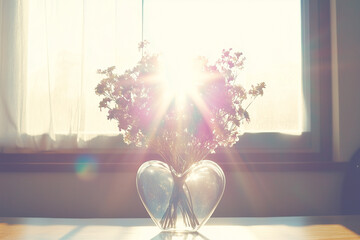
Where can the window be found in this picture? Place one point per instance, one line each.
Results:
(267, 32)
(285, 43)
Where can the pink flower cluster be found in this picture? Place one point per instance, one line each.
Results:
(212, 118)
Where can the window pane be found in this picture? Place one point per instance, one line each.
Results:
(267, 32)
(70, 39)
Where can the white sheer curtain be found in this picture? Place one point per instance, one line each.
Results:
(50, 51)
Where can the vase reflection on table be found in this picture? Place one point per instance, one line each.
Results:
(179, 236)
(180, 202)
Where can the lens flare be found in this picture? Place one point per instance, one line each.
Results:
(86, 167)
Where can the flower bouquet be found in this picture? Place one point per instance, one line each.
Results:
(183, 121)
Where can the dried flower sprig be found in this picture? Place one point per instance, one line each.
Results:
(206, 120)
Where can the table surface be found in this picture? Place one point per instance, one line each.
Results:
(278, 228)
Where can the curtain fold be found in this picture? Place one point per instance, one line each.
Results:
(13, 54)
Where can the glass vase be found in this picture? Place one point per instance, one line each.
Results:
(180, 202)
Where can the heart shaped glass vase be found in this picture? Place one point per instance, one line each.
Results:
(180, 202)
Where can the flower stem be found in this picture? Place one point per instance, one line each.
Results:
(180, 200)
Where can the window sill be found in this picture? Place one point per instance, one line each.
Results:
(130, 162)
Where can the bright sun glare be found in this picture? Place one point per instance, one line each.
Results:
(180, 79)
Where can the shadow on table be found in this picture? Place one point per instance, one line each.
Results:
(353, 227)
(72, 233)
(179, 236)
